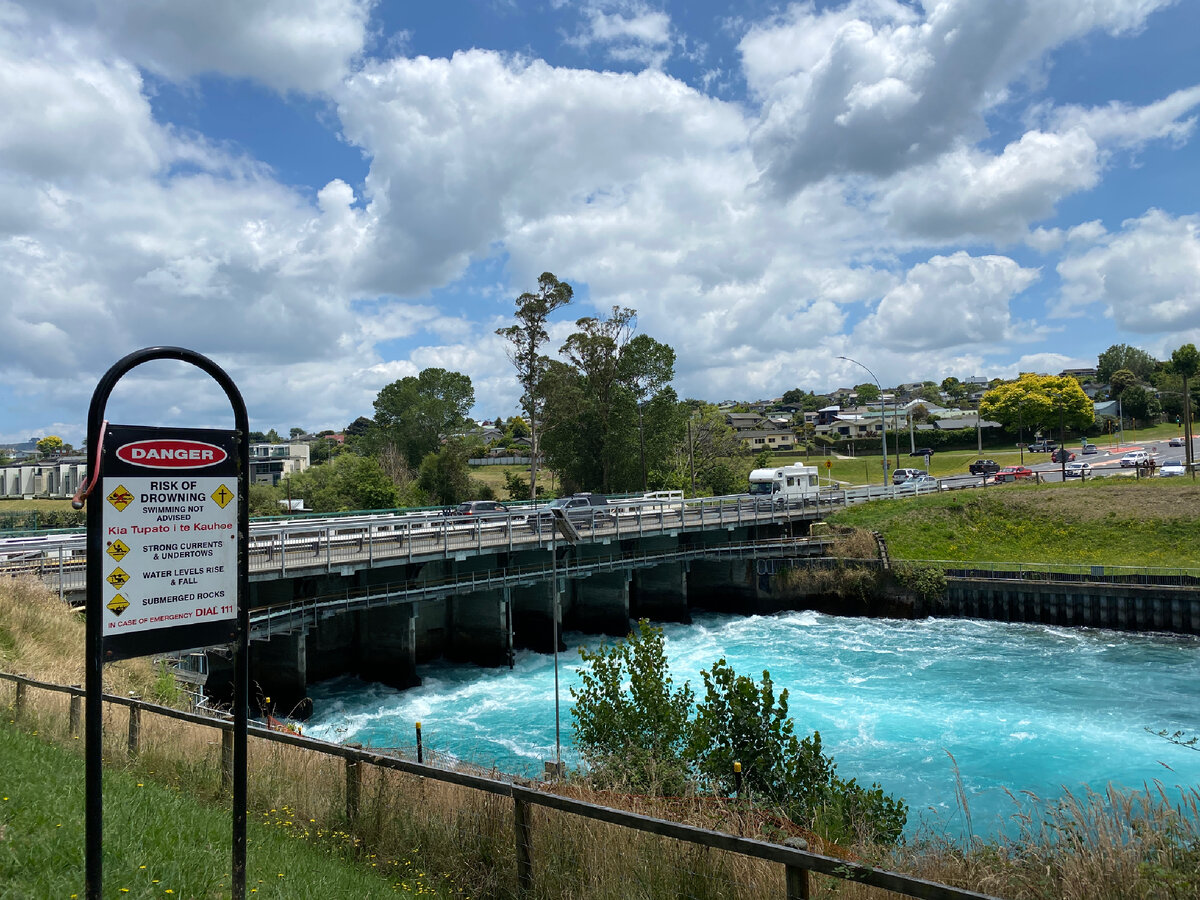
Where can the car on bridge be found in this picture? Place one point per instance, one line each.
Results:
(479, 508)
(581, 509)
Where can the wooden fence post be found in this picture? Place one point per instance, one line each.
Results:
(524, 842)
(135, 731)
(797, 878)
(226, 759)
(353, 785)
(20, 701)
(75, 715)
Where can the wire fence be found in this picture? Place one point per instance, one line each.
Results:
(517, 837)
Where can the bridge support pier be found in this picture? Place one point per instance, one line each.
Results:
(387, 645)
(280, 668)
(532, 617)
(661, 593)
(723, 585)
(480, 626)
(599, 604)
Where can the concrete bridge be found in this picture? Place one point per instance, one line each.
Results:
(376, 595)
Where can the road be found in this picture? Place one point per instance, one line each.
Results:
(1107, 461)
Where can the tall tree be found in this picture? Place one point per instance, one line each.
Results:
(1038, 401)
(526, 339)
(414, 414)
(646, 367)
(595, 351)
(1185, 362)
(1122, 356)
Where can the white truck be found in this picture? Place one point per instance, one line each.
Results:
(785, 484)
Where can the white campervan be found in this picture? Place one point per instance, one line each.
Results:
(785, 484)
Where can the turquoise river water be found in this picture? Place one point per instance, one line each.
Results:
(1019, 707)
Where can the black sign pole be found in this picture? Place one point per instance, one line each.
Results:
(95, 655)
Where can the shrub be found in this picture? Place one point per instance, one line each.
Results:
(637, 730)
(925, 581)
(634, 737)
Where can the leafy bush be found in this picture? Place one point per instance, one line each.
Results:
(926, 582)
(636, 729)
(631, 723)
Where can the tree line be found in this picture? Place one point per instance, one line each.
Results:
(601, 415)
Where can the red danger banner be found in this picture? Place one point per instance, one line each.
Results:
(171, 454)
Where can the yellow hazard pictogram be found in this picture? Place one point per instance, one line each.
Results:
(120, 497)
(118, 578)
(117, 550)
(118, 605)
(222, 495)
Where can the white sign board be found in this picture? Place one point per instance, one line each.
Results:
(169, 543)
(172, 547)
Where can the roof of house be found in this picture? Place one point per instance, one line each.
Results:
(964, 422)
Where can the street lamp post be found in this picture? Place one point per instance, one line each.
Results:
(1062, 438)
(882, 415)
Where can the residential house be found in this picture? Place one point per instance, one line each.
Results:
(269, 463)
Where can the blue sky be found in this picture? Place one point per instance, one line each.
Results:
(327, 195)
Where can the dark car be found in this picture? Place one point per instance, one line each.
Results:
(479, 507)
(922, 451)
(582, 509)
(1062, 454)
(984, 467)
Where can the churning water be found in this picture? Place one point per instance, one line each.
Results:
(1024, 707)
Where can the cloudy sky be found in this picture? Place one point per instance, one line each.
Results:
(327, 195)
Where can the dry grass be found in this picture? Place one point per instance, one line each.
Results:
(40, 637)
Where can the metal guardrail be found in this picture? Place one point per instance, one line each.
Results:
(1163, 576)
(798, 863)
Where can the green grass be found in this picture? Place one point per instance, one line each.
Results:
(158, 842)
(1114, 522)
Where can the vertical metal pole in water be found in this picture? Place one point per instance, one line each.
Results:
(554, 614)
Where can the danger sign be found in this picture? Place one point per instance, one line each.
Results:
(170, 531)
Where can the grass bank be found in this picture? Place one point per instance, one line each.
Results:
(1115, 522)
(158, 840)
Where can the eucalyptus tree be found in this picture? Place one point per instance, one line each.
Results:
(526, 339)
(646, 367)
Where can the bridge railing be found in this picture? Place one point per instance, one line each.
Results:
(281, 548)
(796, 860)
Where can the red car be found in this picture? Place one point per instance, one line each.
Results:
(1057, 455)
(1013, 473)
